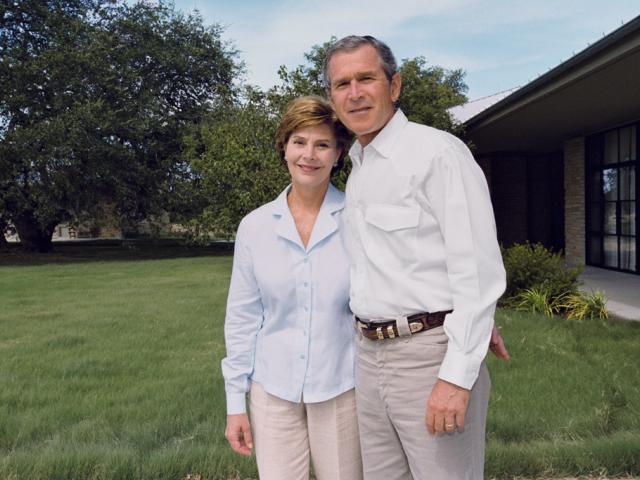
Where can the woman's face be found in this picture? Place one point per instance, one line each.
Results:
(310, 154)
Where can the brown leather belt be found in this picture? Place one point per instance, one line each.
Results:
(418, 322)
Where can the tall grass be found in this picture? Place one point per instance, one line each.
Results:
(111, 371)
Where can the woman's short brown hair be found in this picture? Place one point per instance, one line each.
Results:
(311, 111)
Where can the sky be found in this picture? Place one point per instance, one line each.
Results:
(500, 44)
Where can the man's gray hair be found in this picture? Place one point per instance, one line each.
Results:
(353, 42)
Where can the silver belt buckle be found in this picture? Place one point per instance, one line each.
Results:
(390, 332)
(416, 327)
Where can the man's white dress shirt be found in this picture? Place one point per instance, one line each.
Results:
(288, 325)
(422, 238)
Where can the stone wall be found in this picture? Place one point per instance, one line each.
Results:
(574, 199)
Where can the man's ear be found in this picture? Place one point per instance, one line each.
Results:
(396, 84)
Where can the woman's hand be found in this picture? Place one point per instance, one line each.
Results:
(238, 433)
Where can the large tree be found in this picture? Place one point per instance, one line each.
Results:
(95, 97)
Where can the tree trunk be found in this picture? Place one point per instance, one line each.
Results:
(33, 236)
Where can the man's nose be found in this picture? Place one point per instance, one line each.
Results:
(354, 89)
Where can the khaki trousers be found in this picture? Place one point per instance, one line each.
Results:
(288, 435)
(394, 378)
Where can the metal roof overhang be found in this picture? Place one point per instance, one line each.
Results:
(597, 89)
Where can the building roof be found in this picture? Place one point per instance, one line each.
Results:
(462, 113)
(593, 90)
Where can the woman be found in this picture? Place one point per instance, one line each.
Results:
(288, 329)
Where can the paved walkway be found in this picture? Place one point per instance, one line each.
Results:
(622, 290)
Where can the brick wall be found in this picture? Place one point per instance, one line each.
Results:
(545, 200)
(574, 209)
(508, 193)
(485, 165)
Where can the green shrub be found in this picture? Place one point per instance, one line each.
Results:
(534, 301)
(535, 267)
(581, 305)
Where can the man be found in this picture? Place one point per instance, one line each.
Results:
(426, 274)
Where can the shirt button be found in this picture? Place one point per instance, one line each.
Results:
(306, 284)
(302, 357)
(306, 309)
(304, 333)
(306, 260)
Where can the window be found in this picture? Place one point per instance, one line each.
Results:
(611, 203)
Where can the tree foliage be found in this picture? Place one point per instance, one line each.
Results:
(95, 97)
(234, 156)
(428, 92)
(306, 79)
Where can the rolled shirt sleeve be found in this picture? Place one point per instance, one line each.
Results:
(460, 200)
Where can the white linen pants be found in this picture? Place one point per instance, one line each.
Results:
(288, 435)
(394, 378)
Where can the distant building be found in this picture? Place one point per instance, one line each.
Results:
(561, 154)
(153, 227)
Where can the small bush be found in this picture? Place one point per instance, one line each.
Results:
(580, 306)
(535, 267)
(534, 301)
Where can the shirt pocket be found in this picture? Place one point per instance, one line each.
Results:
(391, 233)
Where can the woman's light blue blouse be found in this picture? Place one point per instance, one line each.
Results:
(288, 325)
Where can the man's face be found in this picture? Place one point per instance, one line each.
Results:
(362, 96)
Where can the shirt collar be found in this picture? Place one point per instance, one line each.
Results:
(325, 223)
(385, 139)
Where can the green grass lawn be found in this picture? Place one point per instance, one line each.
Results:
(569, 401)
(110, 370)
